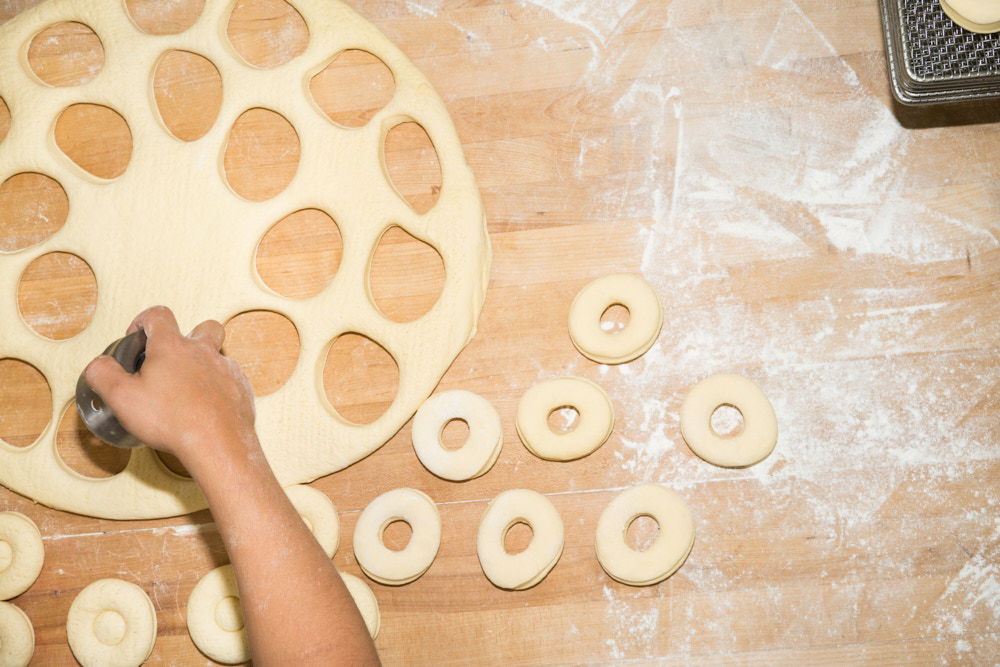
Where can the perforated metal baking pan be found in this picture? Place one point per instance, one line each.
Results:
(931, 59)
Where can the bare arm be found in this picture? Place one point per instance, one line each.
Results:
(192, 402)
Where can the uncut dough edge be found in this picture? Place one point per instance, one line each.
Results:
(300, 436)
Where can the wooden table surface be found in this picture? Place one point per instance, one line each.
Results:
(799, 227)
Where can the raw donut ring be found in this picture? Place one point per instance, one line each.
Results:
(760, 426)
(525, 569)
(395, 568)
(21, 554)
(111, 623)
(480, 451)
(215, 619)
(667, 552)
(17, 637)
(319, 514)
(364, 598)
(982, 16)
(645, 318)
(597, 418)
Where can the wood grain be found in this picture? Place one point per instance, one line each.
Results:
(800, 228)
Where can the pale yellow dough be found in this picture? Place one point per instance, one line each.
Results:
(395, 568)
(760, 425)
(215, 618)
(170, 231)
(522, 570)
(318, 513)
(364, 598)
(645, 318)
(17, 637)
(975, 15)
(479, 452)
(667, 552)
(111, 623)
(21, 554)
(596, 421)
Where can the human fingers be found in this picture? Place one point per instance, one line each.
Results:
(209, 332)
(107, 377)
(155, 321)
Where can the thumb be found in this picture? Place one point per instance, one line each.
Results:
(107, 377)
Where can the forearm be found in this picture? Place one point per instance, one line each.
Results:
(290, 592)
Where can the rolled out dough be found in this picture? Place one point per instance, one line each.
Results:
(169, 230)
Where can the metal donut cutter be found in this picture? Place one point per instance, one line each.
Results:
(130, 352)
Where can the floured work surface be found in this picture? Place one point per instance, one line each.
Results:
(747, 163)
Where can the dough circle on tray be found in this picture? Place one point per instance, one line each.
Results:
(17, 636)
(364, 598)
(479, 452)
(382, 564)
(644, 323)
(597, 418)
(760, 425)
(111, 623)
(215, 619)
(522, 570)
(981, 16)
(170, 240)
(21, 554)
(667, 552)
(318, 513)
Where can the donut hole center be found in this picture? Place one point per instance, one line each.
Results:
(109, 627)
(6, 556)
(727, 421)
(454, 434)
(614, 318)
(229, 614)
(641, 532)
(517, 537)
(564, 419)
(396, 535)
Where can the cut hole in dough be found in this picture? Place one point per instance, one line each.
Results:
(600, 339)
(318, 513)
(299, 256)
(66, 54)
(641, 532)
(454, 435)
(21, 554)
(57, 295)
(156, 17)
(615, 318)
(384, 565)
(97, 139)
(727, 421)
(187, 89)
(412, 165)
(211, 611)
(111, 622)
(540, 401)
(396, 535)
(4, 120)
(760, 426)
(517, 538)
(17, 636)
(267, 33)
(33, 207)
(478, 450)
(25, 403)
(406, 276)
(365, 600)
(261, 141)
(524, 569)
(83, 452)
(352, 88)
(563, 419)
(267, 362)
(360, 378)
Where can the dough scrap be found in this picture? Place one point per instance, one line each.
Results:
(597, 418)
(319, 515)
(215, 619)
(976, 15)
(111, 623)
(364, 598)
(667, 552)
(17, 636)
(760, 425)
(522, 570)
(395, 568)
(645, 318)
(480, 451)
(183, 218)
(22, 554)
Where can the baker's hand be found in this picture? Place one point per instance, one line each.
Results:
(186, 397)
